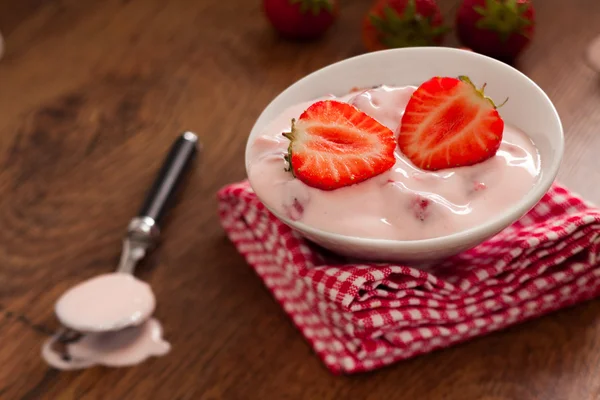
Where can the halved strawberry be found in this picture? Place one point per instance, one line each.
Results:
(334, 144)
(448, 122)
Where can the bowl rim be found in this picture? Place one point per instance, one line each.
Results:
(493, 225)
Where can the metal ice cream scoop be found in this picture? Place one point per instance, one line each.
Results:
(143, 230)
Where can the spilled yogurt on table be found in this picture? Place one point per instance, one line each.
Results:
(113, 312)
(106, 302)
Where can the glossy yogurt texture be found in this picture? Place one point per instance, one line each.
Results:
(404, 203)
(106, 302)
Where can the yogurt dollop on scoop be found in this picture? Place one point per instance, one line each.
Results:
(405, 202)
(106, 302)
(113, 312)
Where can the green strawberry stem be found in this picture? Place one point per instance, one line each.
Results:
(288, 157)
(506, 17)
(467, 80)
(314, 6)
(406, 30)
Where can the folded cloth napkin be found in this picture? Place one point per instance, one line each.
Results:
(362, 316)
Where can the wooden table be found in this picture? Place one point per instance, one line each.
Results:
(91, 95)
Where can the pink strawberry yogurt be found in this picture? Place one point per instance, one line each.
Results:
(404, 203)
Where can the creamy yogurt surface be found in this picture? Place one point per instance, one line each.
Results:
(106, 302)
(405, 202)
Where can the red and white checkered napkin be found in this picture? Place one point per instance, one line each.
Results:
(359, 317)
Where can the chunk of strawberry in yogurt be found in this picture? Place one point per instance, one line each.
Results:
(420, 206)
(295, 198)
(295, 210)
(479, 186)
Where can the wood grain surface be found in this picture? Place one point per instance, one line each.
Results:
(92, 93)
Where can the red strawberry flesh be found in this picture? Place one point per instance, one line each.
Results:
(333, 144)
(449, 123)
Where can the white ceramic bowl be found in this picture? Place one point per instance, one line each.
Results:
(529, 109)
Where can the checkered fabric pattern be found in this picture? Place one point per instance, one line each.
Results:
(359, 317)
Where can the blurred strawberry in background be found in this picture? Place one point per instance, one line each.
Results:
(501, 29)
(593, 54)
(301, 19)
(497, 28)
(403, 23)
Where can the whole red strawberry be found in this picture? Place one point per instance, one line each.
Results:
(497, 28)
(403, 23)
(301, 19)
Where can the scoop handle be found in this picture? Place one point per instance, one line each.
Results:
(170, 175)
